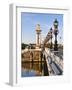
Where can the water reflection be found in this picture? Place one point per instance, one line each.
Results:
(32, 68)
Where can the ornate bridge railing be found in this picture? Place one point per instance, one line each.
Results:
(54, 63)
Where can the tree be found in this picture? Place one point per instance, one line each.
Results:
(23, 46)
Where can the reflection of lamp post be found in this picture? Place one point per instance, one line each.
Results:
(51, 38)
(56, 33)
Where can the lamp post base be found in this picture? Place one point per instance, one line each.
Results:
(55, 49)
(56, 46)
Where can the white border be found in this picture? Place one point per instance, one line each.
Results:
(17, 47)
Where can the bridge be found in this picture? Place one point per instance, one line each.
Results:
(54, 63)
(45, 61)
(48, 62)
(47, 38)
(53, 59)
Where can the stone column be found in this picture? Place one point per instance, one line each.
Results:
(38, 32)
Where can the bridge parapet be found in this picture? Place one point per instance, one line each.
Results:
(54, 63)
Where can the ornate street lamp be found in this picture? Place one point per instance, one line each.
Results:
(55, 33)
(51, 38)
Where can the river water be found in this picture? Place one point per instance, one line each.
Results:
(30, 69)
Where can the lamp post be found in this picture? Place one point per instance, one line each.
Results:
(51, 38)
(55, 33)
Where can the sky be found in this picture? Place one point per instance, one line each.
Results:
(30, 20)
